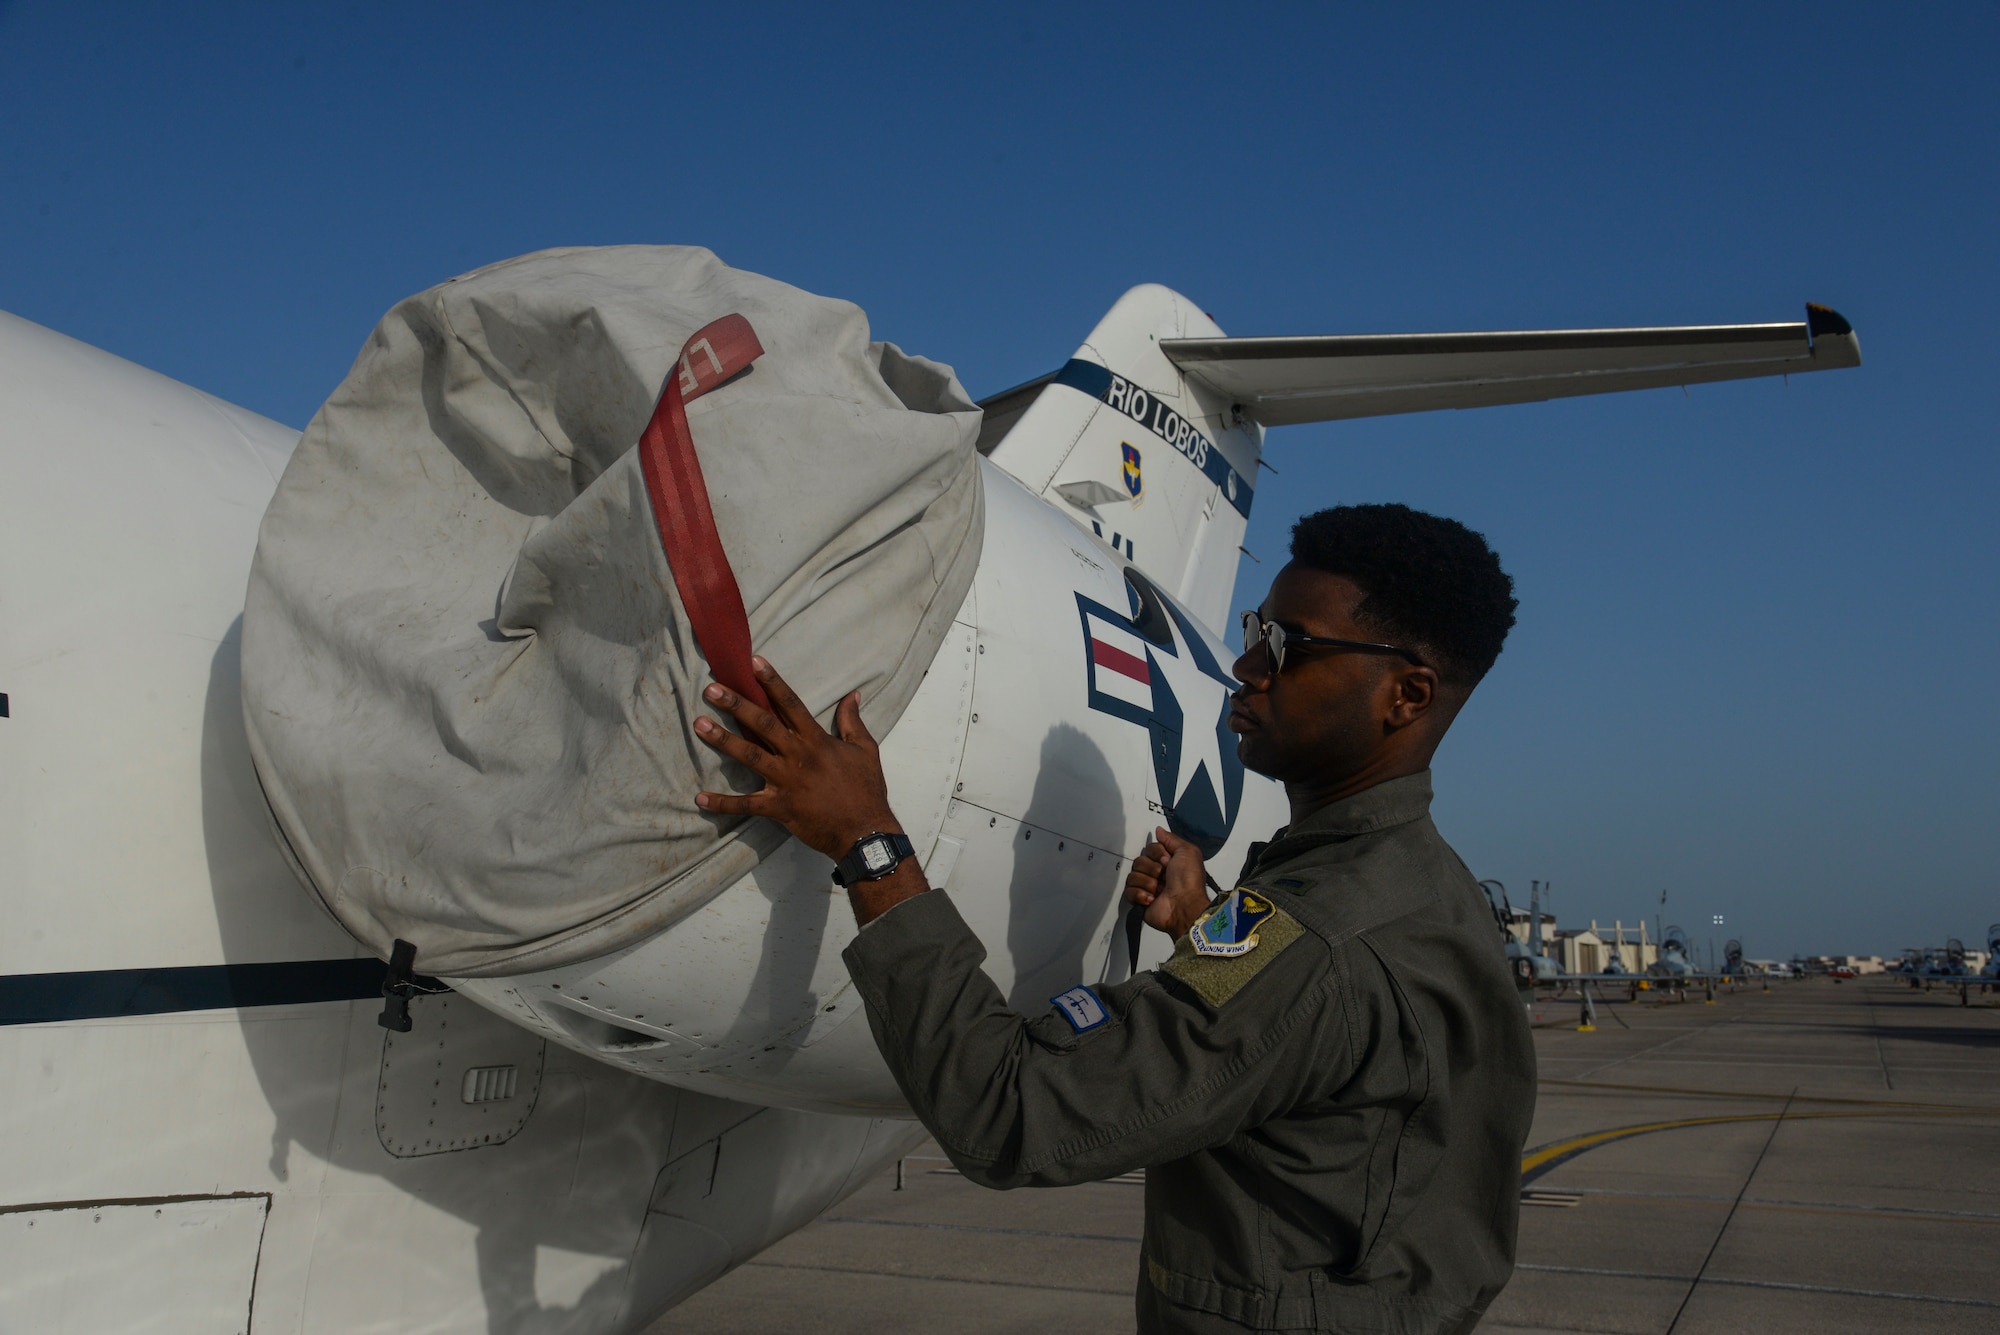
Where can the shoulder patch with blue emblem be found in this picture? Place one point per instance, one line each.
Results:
(1229, 928)
(1081, 1008)
(1230, 944)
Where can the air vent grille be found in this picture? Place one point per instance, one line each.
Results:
(488, 1084)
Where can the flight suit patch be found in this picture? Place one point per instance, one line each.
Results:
(1229, 928)
(1230, 944)
(1081, 1008)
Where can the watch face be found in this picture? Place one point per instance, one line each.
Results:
(875, 854)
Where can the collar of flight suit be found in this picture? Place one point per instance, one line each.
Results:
(1383, 807)
(1344, 880)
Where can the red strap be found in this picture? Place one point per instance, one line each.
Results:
(680, 502)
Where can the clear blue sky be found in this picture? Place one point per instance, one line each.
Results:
(1757, 647)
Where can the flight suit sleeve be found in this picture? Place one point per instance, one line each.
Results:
(1032, 1101)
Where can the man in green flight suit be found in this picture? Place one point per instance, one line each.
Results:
(1330, 1082)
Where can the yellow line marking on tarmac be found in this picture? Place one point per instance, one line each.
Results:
(1911, 1215)
(1578, 1144)
(1777, 1098)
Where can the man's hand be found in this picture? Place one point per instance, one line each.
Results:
(827, 790)
(1167, 880)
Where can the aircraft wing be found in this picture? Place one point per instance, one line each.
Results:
(1286, 381)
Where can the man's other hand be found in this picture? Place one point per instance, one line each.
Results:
(1167, 881)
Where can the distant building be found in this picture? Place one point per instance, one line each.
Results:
(1580, 950)
(1858, 963)
(1628, 945)
(1587, 949)
(1520, 925)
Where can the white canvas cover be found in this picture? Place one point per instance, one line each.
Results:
(468, 677)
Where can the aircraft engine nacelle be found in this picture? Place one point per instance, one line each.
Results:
(1028, 769)
(1068, 708)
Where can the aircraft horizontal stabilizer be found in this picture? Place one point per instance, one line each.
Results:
(1286, 381)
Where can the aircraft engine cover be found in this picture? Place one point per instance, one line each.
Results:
(468, 676)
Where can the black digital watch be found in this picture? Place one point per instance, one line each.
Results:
(872, 857)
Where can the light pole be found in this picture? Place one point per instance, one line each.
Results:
(1659, 924)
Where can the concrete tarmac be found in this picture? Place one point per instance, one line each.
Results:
(1823, 1156)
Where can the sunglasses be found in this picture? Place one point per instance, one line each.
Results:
(1276, 639)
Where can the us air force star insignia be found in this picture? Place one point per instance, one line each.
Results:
(1204, 700)
(1230, 928)
(1169, 679)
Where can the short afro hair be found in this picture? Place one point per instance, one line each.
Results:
(1427, 582)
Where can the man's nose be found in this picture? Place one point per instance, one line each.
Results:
(1252, 667)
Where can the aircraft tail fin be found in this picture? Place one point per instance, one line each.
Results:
(1149, 460)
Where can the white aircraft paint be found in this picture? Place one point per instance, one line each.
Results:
(202, 1126)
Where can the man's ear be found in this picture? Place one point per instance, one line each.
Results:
(1417, 691)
